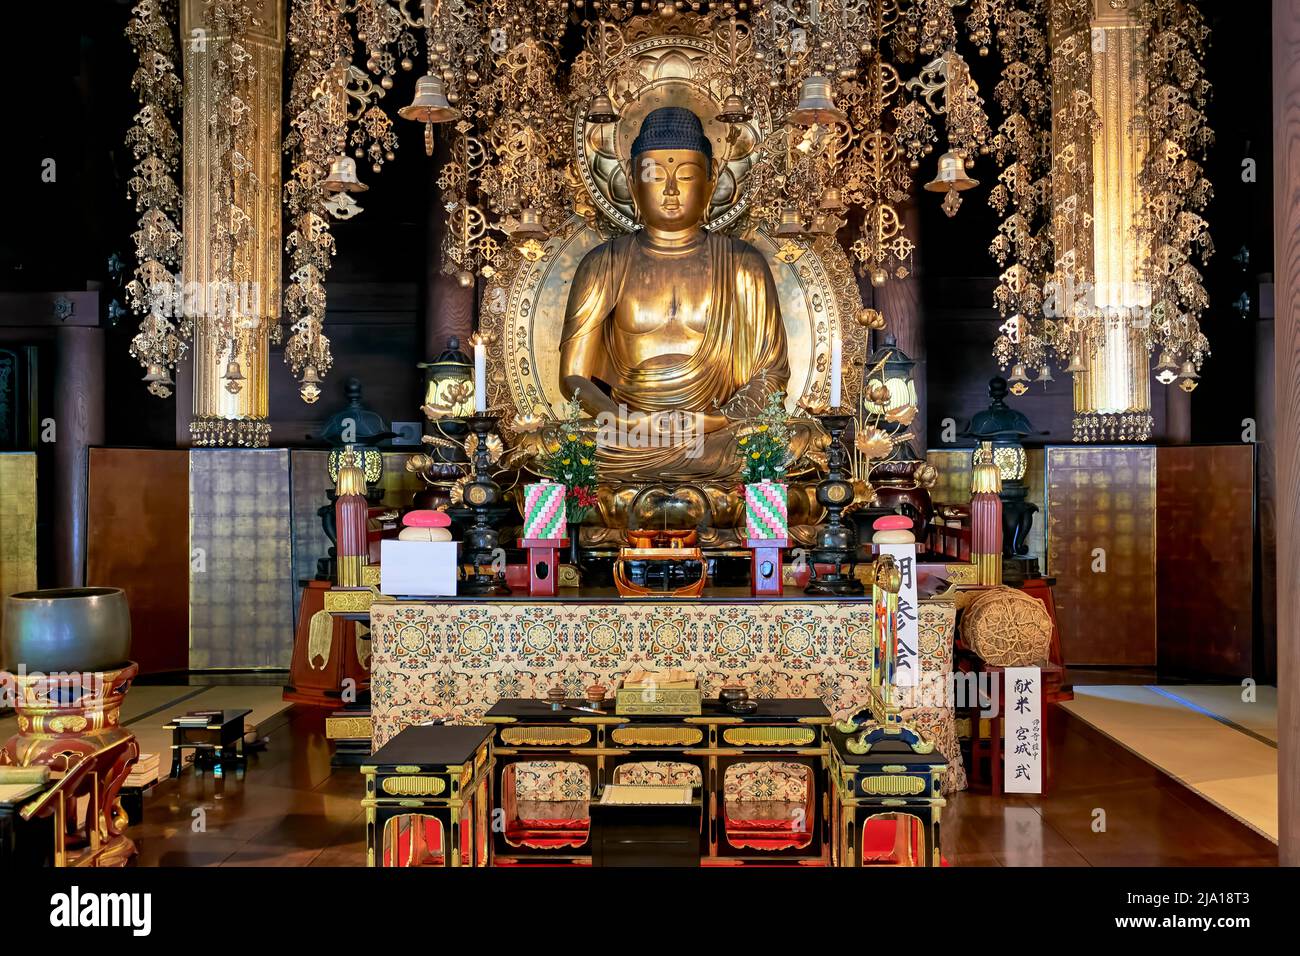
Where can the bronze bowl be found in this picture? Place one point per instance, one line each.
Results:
(66, 629)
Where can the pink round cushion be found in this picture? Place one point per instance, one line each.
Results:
(892, 523)
(426, 519)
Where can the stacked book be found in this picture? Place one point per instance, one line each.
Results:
(145, 772)
(199, 718)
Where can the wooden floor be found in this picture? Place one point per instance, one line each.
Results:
(1105, 807)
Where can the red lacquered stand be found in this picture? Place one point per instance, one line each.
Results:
(765, 566)
(543, 564)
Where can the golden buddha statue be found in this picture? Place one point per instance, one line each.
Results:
(673, 335)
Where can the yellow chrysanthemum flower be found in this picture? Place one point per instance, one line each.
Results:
(762, 428)
(585, 461)
(564, 461)
(753, 454)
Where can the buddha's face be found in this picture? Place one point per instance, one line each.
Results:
(672, 187)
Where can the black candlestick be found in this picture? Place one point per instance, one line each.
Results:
(836, 543)
(482, 544)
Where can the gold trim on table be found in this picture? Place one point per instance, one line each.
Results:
(347, 728)
(657, 736)
(893, 786)
(769, 736)
(413, 786)
(545, 736)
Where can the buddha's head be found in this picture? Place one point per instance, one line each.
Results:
(672, 170)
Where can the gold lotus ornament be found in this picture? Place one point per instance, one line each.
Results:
(873, 443)
(814, 407)
(870, 319)
(495, 447)
(457, 490)
(903, 415)
(528, 423)
(418, 464)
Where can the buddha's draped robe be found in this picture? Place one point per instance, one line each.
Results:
(742, 353)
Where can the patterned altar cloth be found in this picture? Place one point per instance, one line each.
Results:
(454, 660)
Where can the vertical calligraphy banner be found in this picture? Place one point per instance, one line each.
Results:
(1022, 722)
(907, 665)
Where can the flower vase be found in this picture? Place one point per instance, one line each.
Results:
(574, 551)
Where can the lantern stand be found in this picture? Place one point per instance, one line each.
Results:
(1006, 428)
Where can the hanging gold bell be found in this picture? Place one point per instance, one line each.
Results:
(1187, 377)
(1076, 362)
(234, 376)
(528, 227)
(734, 110)
(951, 176)
(1166, 369)
(791, 223)
(1018, 379)
(157, 374)
(825, 224)
(832, 200)
(816, 105)
(1045, 375)
(343, 177)
(602, 109)
(430, 104)
(309, 387)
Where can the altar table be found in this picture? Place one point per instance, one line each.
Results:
(452, 659)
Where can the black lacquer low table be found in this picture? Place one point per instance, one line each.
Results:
(221, 738)
(726, 750)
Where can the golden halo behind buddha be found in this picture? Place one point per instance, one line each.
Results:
(664, 70)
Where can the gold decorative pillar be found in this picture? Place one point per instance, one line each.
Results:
(1112, 395)
(228, 411)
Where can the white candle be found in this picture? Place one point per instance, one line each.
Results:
(835, 372)
(480, 376)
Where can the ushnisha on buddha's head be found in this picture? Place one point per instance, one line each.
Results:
(672, 174)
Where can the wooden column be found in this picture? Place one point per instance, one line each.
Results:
(448, 306)
(1286, 256)
(899, 301)
(79, 420)
(1178, 416)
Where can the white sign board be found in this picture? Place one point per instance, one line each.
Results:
(907, 665)
(1022, 722)
(417, 568)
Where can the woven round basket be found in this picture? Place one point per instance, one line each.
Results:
(1008, 628)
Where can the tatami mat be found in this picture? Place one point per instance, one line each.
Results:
(1188, 732)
